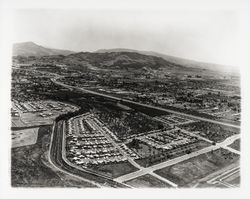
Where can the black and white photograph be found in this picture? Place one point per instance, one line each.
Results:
(125, 98)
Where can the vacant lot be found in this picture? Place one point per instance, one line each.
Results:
(115, 170)
(147, 181)
(235, 145)
(24, 137)
(190, 171)
(233, 180)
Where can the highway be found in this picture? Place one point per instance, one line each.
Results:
(140, 104)
(220, 178)
(56, 77)
(55, 156)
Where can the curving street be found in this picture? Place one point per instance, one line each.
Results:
(55, 155)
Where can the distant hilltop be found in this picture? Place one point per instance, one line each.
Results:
(31, 49)
(176, 60)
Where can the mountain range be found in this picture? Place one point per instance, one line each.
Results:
(110, 58)
(173, 59)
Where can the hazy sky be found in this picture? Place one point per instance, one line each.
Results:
(210, 36)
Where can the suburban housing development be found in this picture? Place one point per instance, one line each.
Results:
(123, 120)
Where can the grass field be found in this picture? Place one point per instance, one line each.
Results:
(188, 172)
(147, 181)
(234, 180)
(235, 145)
(115, 170)
(24, 137)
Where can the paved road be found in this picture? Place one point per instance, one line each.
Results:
(118, 147)
(147, 170)
(232, 150)
(52, 161)
(164, 179)
(145, 105)
(57, 160)
(223, 176)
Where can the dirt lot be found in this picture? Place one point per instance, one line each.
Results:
(28, 168)
(147, 181)
(24, 137)
(187, 173)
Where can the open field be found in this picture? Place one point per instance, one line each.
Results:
(24, 137)
(147, 181)
(235, 145)
(228, 176)
(116, 169)
(234, 179)
(28, 168)
(187, 173)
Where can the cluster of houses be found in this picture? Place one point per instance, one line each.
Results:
(39, 106)
(87, 142)
(168, 140)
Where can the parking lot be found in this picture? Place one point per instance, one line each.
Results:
(37, 113)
